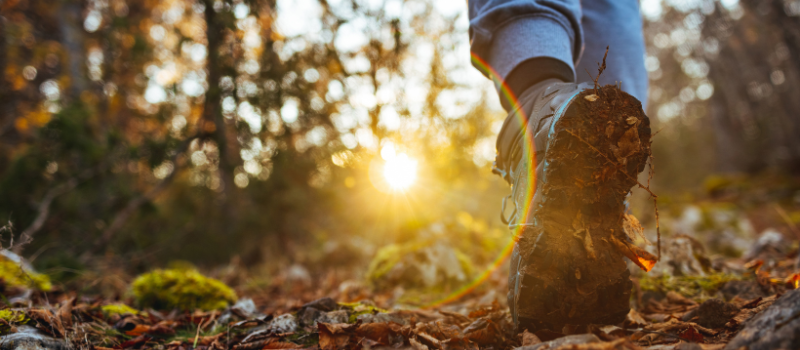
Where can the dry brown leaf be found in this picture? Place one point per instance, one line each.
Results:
(379, 332)
(639, 256)
(529, 338)
(746, 314)
(635, 320)
(65, 313)
(335, 336)
(281, 345)
(457, 316)
(46, 321)
(138, 330)
(676, 298)
(482, 331)
(417, 345)
(429, 340)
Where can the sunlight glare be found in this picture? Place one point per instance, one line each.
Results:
(400, 172)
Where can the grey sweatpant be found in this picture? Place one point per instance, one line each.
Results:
(504, 33)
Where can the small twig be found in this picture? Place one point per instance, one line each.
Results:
(197, 335)
(43, 212)
(590, 75)
(658, 230)
(656, 133)
(614, 163)
(600, 69)
(786, 219)
(618, 168)
(44, 208)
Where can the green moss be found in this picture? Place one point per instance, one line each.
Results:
(14, 275)
(465, 262)
(118, 309)
(358, 308)
(12, 317)
(688, 286)
(185, 289)
(388, 256)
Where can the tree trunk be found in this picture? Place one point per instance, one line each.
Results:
(71, 25)
(756, 77)
(212, 108)
(7, 114)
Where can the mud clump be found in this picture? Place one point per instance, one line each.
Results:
(598, 148)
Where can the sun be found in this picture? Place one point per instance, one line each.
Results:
(400, 171)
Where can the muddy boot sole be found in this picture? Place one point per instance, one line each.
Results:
(569, 270)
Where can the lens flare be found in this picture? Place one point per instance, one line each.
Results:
(400, 171)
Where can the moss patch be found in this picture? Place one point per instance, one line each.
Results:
(15, 276)
(118, 309)
(357, 309)
(689, 286)
(419, 264)
(184, 289)
(11, 318)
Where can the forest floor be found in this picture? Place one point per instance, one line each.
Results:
(727, 258)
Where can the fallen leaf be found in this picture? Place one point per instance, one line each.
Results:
(428, 340)
(379, 332)
(529, 338)
(335, 336)
(133, 342)
(417, 345)
(481, 331)
(65, 313)
(634, 320)
(691, 334)
(138, 330)
(747, 313)
(676, 298)
(281, 345)
(639, 256)
(753, 303)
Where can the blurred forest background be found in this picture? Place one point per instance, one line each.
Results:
(254, 133)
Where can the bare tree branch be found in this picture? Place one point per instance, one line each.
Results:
(124, 215)
(43, 209)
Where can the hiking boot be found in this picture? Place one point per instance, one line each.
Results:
(571, 153)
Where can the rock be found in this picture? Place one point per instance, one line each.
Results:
(308, 316)
(712, 313)
(30, 338)
(380, 318)
(283, 324)
(245, 306)
(334, 317)
(575, 339)
(324, 304)
(19, 277)
(298, 274)
(768, 245)
(777, 327)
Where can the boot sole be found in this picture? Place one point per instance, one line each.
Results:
(570, 272)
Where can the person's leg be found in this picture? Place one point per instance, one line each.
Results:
(615, 24)
(521, 42)
(567, 265)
